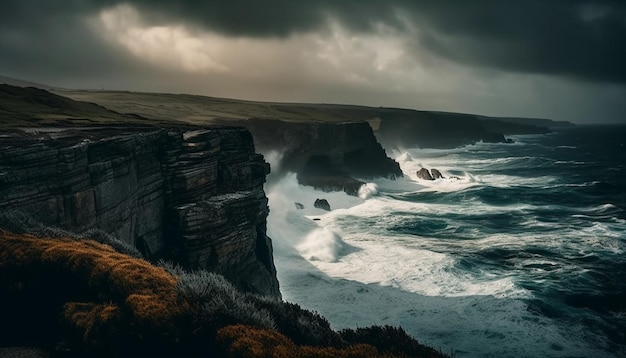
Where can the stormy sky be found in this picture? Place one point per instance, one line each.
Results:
(559, 59)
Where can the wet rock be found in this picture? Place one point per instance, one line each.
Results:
(424, 174)
(436, 174)
(322, 204)
(299, 206)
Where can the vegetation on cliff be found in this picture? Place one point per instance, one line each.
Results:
(76, 296)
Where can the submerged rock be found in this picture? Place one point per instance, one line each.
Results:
(322, 204)
(299, 206)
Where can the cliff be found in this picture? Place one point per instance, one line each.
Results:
(327, 156)
(537, 122)
(427, 129)
(330, 147)
(404, 128)
(194, 196)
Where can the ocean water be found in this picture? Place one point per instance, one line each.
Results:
(518, 252)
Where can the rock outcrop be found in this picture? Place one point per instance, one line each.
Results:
(322, 204)
(436, 174)
(193, 196)
(424, 174)
(327, 156)
(433, 174)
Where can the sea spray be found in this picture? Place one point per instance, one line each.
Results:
(368, 190)
(322, 244)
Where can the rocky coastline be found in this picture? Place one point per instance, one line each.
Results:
(326, 156)
(193, 196)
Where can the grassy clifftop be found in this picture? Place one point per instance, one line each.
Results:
(75, 296)
(34, 107)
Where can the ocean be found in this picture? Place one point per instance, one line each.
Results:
(518, 252)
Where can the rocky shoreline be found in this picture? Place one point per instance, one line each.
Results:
(193, 196)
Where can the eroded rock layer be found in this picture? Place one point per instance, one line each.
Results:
(327, 156)
(192, 196)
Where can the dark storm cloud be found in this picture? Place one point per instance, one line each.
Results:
(40, 39)
(576, 39)
(571, 38)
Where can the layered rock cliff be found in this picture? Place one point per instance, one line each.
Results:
(330, 147)
(327, 156)
(194, 196)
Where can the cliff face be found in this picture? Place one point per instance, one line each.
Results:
(405, 128)
(408, 128)
(192, 196)
(325, 155)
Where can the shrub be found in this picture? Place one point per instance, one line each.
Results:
(388, 339)
(108, 239)
(215, 302)
(95, 287)
(250, 342)
(302, 326)
(21, 223)
(18, 222)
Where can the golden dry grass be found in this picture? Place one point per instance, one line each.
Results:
(251, 342)
(135, 291)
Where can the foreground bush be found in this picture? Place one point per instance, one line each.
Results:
(250, 342)
(388, 339)
(79, 297)
(100, 295)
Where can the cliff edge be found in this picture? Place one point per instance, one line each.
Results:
(194, 196)
(330, 147)
(327, 156)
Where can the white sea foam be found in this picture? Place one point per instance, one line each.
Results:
(386, 262)
(368, 190)
(323, 245)
(390, 280)
(349, 252)
(457, 170)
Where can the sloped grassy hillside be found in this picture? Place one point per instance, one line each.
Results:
(75, 295)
